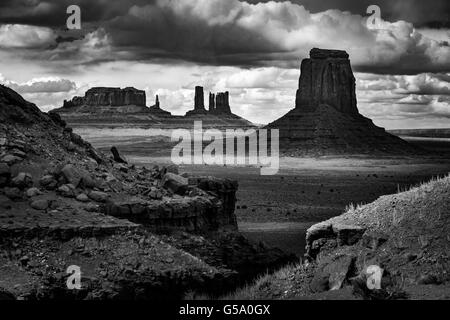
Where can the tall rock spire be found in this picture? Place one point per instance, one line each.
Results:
(199, 103)
(325, 120)
(223, 102)
(327, 78)
(212, 102)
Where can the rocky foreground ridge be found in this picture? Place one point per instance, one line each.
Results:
(404, 235)
(133, 231)
(326, 120)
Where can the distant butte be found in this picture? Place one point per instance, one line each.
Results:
(326, 119)
(104, 106)
(219, 104)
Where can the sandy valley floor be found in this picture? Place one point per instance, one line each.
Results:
(278, 209)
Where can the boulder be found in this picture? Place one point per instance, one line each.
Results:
(13, 193)
(175, 183)
(330, 275)
(95, 154)
(72, 175)
(33, 192)
(87, 181)
(98, 196)
(117, 156)
(41, 204)
(48, 182)
(10, 159)
(22, 180)
(67, 190)
(82, 197)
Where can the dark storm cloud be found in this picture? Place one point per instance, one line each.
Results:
(432, 13)
(218, 32)
(52, 13)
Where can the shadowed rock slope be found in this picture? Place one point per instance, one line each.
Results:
(325, 120)
(405, 235)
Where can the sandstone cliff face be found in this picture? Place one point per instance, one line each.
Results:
(327, 78)
(325, 119)
(212, 102)
(218, 104)
(156, 109)
(223, 103)
(199, 100)
(102, 96)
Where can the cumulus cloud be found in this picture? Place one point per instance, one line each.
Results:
(47, 93)
(238, 33)
(272, 33)
(405, 101)
(44, 85)
(41, 85)
(424, 84)
(15, 36)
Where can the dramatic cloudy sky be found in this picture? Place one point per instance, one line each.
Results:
(253, 49)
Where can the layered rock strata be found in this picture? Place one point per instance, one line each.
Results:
(325, 119)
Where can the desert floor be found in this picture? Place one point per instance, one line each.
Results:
(279, 209)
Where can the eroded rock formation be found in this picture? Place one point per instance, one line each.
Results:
(212, 102)
(325, 119)
(103, 96)
(223, 103)
(199, 100)
(327, 78)
(156, 109)
(219, 104)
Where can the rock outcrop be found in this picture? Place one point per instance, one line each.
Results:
(102, 96)
(156, 109)
(325, 119)
(199, 99)
(126, 107)
(223, 103)
(212, 103)
(104, 104)
(327, 78)
(199, 103)
(401, 233)
(218, 104)
(219, 113)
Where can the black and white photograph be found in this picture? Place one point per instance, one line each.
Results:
(200, 151)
